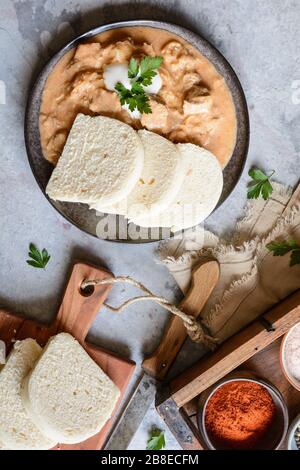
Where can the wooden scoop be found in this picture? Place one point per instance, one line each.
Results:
(204, 280)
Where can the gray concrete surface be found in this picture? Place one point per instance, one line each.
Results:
(261, 39)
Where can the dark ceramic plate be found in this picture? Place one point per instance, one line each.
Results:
(79, 214)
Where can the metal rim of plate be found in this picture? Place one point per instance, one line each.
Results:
(79, 214)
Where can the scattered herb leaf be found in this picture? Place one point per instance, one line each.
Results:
(295, 257)
(284, 247)
(260, 186)
(156, 440)
(140, 75)
(38, 259)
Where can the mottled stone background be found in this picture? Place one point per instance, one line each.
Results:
(261, 39)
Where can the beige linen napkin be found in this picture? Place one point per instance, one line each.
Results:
(251, 278)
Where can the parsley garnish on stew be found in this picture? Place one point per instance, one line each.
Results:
(141, 75)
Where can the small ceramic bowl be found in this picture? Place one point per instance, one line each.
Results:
(294, 382)
(291, 442)
(274, 438)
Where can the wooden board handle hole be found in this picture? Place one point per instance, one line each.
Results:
(87, 291)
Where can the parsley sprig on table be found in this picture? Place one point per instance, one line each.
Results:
(284, 247)
(140, 75)
(260, 186)
(156, 440)
(39, 259)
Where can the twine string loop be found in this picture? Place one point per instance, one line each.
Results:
(193, 327)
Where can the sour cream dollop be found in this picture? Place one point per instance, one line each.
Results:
(155, 86)
(116, 73)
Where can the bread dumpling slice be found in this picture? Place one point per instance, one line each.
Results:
(67, 393)
(161, 176)
(101, 162)
(17, 430)
(198, 195)
(119, 208)
(158, 184)
(3, 447)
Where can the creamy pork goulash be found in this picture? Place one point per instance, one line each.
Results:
(193, 104)
(138, 123)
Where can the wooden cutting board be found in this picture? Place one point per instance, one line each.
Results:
(75, 316)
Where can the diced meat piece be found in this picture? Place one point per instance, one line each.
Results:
(195, 91)
(120, 52)
(148, 48)
(202, 105)
(197, 100)
(158, 119)
(89, 55)
(106, 102)
(178, 58)
(190, 79)
(85, 84)
(172, 49)
(172, 100)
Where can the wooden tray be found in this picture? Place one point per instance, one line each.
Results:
(75, 316)
(256, 348)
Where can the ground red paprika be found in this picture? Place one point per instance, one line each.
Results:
(239, 414)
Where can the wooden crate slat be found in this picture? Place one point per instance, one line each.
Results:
(235, 351)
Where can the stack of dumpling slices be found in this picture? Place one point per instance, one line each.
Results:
(138, 174)
(53, 395)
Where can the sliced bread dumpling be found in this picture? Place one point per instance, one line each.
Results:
(3, 447)
(198, 195)
(101, 162)
(161, 176)
(17, 430)
(158, 184)
(68, 395)
(119, 208)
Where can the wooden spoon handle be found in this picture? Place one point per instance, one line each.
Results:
(204, 279)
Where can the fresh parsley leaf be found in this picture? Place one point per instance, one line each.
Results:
(140, 75)
(38, 259)
(284, 247)
(136, 98)
(137, 89)
(133, 68)
(254, 191)
(156, 440)
(260, 186)
(143, 103)
(295, 257)
(123, 92)
(257, 175)
(131, 101)
(150, 63)
(146, 78)
(266, 189)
